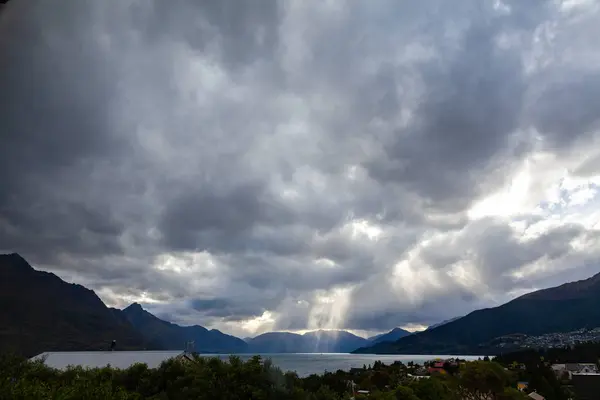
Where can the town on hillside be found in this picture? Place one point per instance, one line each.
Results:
(549, 340)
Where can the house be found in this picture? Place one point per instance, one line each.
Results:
(558, 368)
(588, 368)
(522, 385)
(433, 370)
(573, 368)
(438, 364)
(116, 359)
(536, 396)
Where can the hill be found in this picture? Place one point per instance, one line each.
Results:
(321, 341)
(41, 312)
(560, 309)
(171, 336)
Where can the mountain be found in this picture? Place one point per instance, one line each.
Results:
(337, 341)
(311, 342)
(390, 336)
(41, 312)
(279, 342)
(560, 309)
(442, 323)
(174, 337)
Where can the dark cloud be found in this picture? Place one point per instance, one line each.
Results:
(466, 119)
(568, 110)
(56, 90)
(285, 166)
(226, 308)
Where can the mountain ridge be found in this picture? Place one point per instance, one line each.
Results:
(573, 306)
(172, 336)
(390, 336)
(319, 341)
(41, 312)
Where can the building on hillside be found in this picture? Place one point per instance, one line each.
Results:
(588, 368)
(522, 386)
(586, 385)
(558, 367)
(573, 368)
(433, 371)
(536, 396)
(116, 359)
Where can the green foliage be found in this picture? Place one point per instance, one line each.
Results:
(405, 393)
(432, 389)
(482, 380)
(211, 378)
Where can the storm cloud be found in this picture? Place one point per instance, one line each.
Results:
(287, 165)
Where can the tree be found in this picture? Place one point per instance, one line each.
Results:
(481, 380)
(405, 393)
(380, 379)
(431, 389)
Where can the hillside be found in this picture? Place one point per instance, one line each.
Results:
(560, 309)
(173, 337)
(41, 312)
(310, 342)
(442, 323)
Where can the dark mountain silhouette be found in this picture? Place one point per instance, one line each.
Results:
(174, 337)
(279, 342)
(321, 341)
(444, 322)
(560, 309)
(390, 336)
(41, 312)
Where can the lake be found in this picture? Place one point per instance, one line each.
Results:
(306, 364)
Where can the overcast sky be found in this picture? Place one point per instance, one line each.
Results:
(264, 165)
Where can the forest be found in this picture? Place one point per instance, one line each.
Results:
(211, 378)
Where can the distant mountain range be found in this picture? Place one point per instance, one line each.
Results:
(560, 309)
(171, 336)
(391, 336)
(41, 312)
(311, 342)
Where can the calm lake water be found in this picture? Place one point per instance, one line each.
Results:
(306, 364)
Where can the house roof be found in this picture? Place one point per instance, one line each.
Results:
(99, 359)
(536, 396)
(572, 367)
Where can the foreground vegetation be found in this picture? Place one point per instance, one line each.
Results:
(211, 378)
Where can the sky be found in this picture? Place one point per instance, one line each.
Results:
(258, 166)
